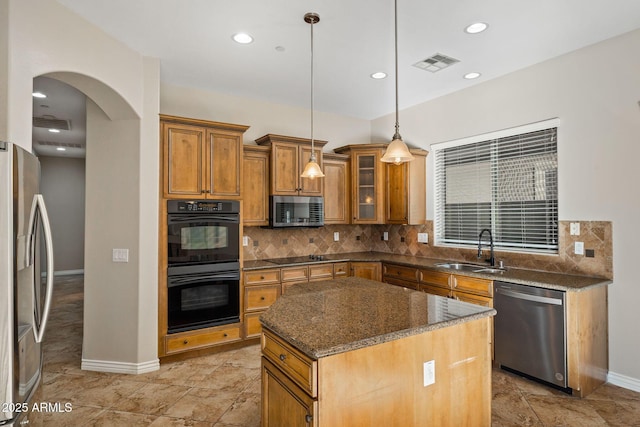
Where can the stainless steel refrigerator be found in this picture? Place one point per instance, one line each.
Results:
(26, 281)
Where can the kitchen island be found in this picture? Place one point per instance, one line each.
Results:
(356, 352)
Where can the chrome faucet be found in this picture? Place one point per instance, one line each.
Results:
(491, 259)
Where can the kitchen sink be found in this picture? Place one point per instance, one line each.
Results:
(475, 268)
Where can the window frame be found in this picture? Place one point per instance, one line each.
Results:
(439, 207)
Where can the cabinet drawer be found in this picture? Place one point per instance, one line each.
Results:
(195, 340)
(409, 274)
(321, 272)
(252, 326)
(435, 278)
(341, 269)
(435, 290)
(473, 285)
(399, 282)
(473, 299)
(297, 366)
(261, 277)
(260, 297)
(295, 274)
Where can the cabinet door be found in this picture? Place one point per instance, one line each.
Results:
(336, 191)
(367, 187)
(255, 188)
(367, 270)
(224, 164)
(284, 169)
(283, 402)
(183, 150)
(309, 187)
(435, 290)
(396, 192)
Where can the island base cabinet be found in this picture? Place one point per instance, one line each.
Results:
(383, 385)
(283, 402)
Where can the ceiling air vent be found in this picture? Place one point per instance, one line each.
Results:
(49, 122)
(436, 62)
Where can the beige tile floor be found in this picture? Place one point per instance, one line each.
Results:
(223, 390)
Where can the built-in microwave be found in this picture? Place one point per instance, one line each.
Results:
(296, 211)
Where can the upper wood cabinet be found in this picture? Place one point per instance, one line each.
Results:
(255, 186)
(289, 155)
(201, 158)
(406, 195)
(367, 182)
(337, 189)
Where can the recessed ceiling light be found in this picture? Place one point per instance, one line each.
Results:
(471, 76)
(54, 130)
(476, 28)
(39, 95)
(61, 149)
(379, 75)
(242, 38)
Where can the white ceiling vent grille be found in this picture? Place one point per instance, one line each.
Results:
(51, 123)
(60, 144)
(436, 62)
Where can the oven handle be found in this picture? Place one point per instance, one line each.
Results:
(198, 278)
(178, 219)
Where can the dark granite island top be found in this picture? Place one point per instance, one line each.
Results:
(335, 316)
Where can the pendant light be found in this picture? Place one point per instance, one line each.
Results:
(397, 151)
(312, 169)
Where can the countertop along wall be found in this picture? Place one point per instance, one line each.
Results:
(594, 92)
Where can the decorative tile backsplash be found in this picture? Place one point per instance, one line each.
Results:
(403, 239)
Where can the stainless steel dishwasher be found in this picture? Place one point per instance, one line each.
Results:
(530, 332)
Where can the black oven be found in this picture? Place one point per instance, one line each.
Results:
(203, 256)
(207, 297)
(202, 232)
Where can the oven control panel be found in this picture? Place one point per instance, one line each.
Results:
(205, 206)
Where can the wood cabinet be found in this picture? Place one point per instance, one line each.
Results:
(289, 155)
(201, 158)
(381, 384)
(400, 275)
(367, 182)
(201, 338)
(405, 191)
(465, 288)
(337, 189)
(255, 185)
(366, 270)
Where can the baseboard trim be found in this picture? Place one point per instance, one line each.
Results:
(68, 272)
(120, 367)
(623, 381)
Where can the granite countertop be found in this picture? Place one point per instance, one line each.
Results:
(340, 315)
(542, 279)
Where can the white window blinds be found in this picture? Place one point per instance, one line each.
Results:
(507, 184)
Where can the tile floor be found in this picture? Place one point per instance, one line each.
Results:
(223, 390)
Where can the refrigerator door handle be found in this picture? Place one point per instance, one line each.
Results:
(38, 205)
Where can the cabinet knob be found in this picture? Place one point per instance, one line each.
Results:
(225, 335)
(282, 357)
(308, 418)
(261, 298)
(261, 277)
(185, 342)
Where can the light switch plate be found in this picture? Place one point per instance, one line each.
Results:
(423, 238)
(120, 255)
(574, 228)
(245, 240)
(336, 236)
(578, 248)
(385, 235)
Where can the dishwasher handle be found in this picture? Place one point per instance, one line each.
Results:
(528, 297)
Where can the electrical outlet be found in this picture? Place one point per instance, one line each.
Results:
(385, 235)
(245, 240)
(336, 236)
(423, 238)
(574, 228)
(429, 372)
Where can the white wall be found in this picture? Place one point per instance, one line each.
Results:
(62, 185)
(595, 93)
(44, 38)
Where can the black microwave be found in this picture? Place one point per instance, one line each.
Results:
(296, 211)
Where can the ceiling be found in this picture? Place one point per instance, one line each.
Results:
(353, 39)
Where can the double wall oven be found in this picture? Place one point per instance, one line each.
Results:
(203, 263)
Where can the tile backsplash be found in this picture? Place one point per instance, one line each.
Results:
(403, 239)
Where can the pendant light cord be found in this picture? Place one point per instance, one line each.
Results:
(313, 154)
(397, 134)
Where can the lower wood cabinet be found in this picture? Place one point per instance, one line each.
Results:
(366, 270)
(202, 338)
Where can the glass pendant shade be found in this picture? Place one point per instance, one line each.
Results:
(312, 169)
(397, 152)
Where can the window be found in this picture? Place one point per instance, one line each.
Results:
(506, 182)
